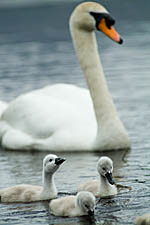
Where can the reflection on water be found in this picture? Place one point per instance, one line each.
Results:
(36, 54)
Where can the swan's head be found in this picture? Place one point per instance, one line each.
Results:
(51, 163)
(105, 168)
(89, 16)
(86, 202)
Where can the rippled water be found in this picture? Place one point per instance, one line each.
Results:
(36, 51)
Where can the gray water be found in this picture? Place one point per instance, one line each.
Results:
(36, 50)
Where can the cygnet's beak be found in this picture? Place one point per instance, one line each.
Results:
(59, 161)
(90, 212)
(108, 175)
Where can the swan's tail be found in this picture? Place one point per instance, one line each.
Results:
(3, 106)
(14, 139)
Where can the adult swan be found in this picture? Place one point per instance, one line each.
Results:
(62, 117)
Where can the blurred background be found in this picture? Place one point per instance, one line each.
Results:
(36, 50)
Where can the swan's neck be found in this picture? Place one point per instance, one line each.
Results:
(49, 188)
(103, 182)
(105, 111)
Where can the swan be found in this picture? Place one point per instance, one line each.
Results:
(65, 117)
(31, 193)
(106, 185)
(81, 204)
(143, 220)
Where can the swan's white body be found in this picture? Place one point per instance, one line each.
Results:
(71, 206)
(63, 117)
(45, 120)
(31, 193)
(102, 187)
(143, 220)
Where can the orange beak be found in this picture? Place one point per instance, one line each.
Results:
(111, 33)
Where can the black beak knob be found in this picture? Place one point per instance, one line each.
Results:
(59, 161)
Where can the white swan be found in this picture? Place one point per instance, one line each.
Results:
(30, 193)
(106, 185)
(143, 220)
(81, 204)
(62, 117)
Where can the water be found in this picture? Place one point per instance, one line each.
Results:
(36, 50)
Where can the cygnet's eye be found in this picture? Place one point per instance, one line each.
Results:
(50, 160)
(103, 168)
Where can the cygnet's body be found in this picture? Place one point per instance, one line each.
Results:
(81, 204)
(105, 186)
(143, 220)
(31, 193)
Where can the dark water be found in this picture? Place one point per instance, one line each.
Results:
(36, 50)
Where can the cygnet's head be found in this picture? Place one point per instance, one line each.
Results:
(105, 168)
(89, 16)
(51, 163)
(86, 202)
(143, 220)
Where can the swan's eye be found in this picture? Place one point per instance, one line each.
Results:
(99, 16)
(50, 160)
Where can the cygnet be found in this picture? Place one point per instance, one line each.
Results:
(30, 193)
(106, 185)
(143, 220)
(70, 206)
